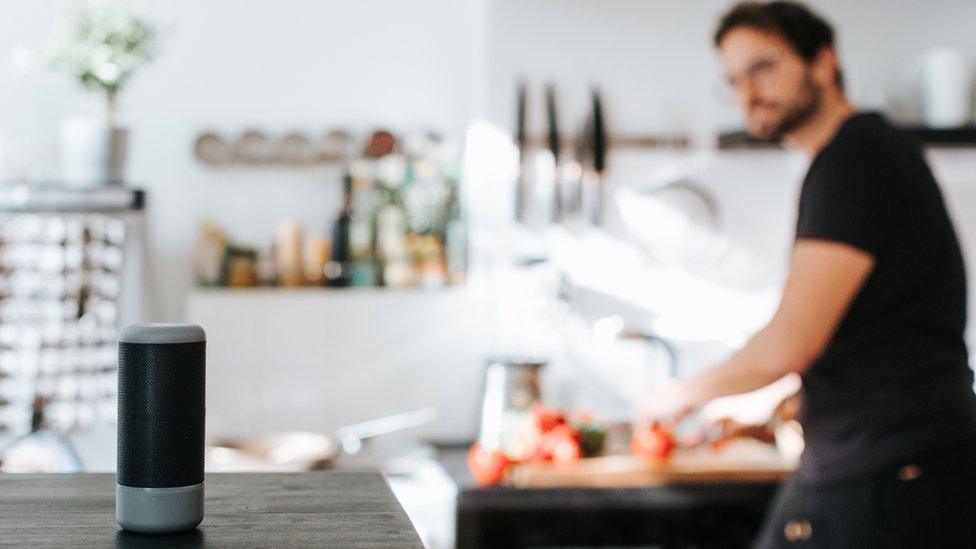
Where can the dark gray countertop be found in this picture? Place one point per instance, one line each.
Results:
(320, 509)
(689, 515)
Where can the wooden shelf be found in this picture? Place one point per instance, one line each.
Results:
(54, 197)
(325, 290)
(961, 137)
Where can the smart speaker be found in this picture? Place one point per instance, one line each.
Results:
(159, 476)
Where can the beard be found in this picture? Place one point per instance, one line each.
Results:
(791, 115)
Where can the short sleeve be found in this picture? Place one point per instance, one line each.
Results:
(851, 202)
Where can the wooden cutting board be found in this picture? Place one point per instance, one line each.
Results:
(739, 462)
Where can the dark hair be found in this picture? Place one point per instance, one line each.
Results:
(805, 31)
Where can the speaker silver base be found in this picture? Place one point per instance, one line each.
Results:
(159, 510)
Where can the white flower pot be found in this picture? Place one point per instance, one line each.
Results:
(92, 153)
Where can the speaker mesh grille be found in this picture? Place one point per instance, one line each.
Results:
(161, 414)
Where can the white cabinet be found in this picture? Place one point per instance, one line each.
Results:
(316, 359)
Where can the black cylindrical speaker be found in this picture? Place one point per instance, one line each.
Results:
(162, 387)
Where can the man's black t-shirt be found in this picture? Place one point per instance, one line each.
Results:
(893, 384)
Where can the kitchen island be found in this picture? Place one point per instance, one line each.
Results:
(679, 515)
(317, 509)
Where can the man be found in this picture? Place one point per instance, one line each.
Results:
(872, 313)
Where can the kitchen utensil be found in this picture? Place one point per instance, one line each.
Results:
(521, 141)
(678, 223)
(567, 170)
(555, 147)
(593, 194)
(289, 451)
(210, 148)
(512, 388)
(335, 146)
(304, 451)
(295, 149)
(656, 340)
(352, 436)
(253, 147)
(552, 122)
(600, 147)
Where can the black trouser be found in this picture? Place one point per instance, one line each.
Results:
(928, 503)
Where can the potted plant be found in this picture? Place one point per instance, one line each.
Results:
(103, 46)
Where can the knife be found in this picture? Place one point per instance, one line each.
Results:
(599, 151)
(521, 137)
(551, 120)
(554, 143)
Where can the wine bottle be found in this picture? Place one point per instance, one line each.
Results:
(338, 270)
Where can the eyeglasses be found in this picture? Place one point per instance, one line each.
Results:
(759, 73)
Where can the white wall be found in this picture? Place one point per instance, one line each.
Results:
(655, 63)
(229, 65)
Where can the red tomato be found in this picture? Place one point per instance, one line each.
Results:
(717, 445)
(525, 443)
(654, 444)
(487, 466)
(546, 418)
(561, 444)
(566, 451)
(543, 448)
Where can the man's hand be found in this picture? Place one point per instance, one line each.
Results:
(667, 406)
(824, 279)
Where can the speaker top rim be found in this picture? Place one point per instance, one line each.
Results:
(162, 333)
